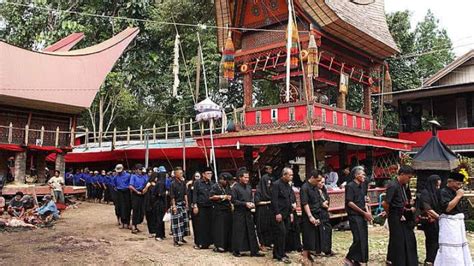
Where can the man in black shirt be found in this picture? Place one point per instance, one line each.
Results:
(202, 209)
(311, 208)
(358, 215)
(400, 214)
(179, 205)
(264, 216)
(282, 206)
(453, 244)
(243, 229)
(222, 213)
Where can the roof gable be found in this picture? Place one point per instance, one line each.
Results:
(458, 62)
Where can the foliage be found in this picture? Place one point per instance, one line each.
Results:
(469, 225)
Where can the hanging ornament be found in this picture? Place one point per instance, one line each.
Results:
(176, 66)
(228, 56)
(387, 85)
(294, 52)
(313, 58)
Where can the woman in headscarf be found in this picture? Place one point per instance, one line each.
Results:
(430, 208)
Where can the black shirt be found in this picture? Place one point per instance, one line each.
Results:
(355, 193)
(264, 189)
(427, 202)
(177, 190)
(202, 192)
(216, 189)
(446, 195)
(397, 196)
(241, 194)
(309, 194)
(282, 198)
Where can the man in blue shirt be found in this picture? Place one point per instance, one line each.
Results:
(78, 178)
(137, 183)
(121, 183)
(48, 211)
(87, 177)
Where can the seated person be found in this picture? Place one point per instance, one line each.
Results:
(2, 203)
(15, 207)
(48, 210)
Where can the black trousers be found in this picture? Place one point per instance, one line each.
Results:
(137, 208)
(431, 240)
(359, 250)
(123, 198)
(115, 198)
(152, 219)
(99, 193)
(203, 233)
(108, 194)
(325, 234)
(160, 211)
(90, 191)
(280, 234)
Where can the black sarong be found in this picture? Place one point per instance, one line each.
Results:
(325, 232)
(243, 231)
(293, 237)
(265, 220)
(222, 228)
(431, 240)
(280, 232)
(359, 250)
(160, 211)
(138, 209)
(203, 234)
(310, 235)
(123, 197)
(402, 243)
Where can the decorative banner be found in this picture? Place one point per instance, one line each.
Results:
(208, 110)
(228, 56)
(344, 83)
(313, 58)
(387, 86)
(176, 66)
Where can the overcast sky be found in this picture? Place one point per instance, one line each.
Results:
(456, 16)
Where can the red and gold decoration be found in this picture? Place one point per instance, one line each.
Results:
(229, 54)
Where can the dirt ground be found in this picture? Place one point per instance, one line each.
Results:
(88, 235)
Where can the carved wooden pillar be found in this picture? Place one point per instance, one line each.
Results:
(309, 88)
(309, 160)
(60, 164)
(248, 89)
(367, 94)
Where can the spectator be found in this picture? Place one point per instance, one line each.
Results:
(2, 203)
(56, 183)
(331, 178)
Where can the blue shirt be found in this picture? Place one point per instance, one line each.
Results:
(77, 179)
(108, 180)
(87, 178)
(95, 179)
(122, 180)
(138, 181)
(168, 182)
(50, 206)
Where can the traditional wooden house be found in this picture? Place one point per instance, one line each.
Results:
(41, 95)
(448, 97)
(336, 47)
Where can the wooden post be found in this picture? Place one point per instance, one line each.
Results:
(166, 131)
(73, 137)
(42, 135)
(86, 139)
(154, 133)
(367, 108)
(56, 142)
(10, 133)
(114, 138)
(248, 89)
(191, 127)
(26, 134)
(179, 130)
(341, 101)
(128, 135)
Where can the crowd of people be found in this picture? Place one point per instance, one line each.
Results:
(228, 216)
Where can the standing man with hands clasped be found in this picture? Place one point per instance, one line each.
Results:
(358, 214)
(282, 205)
(453, 244)
(202, 209)
(179, 205)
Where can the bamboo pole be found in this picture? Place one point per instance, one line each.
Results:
(179, 129)
(42, 135)
(10, 133)
(154, 133)
(191, 127)
(114, 138)
(86, 139)
(141, 133)
(56, 142)
(26, 134)
(166, 131)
